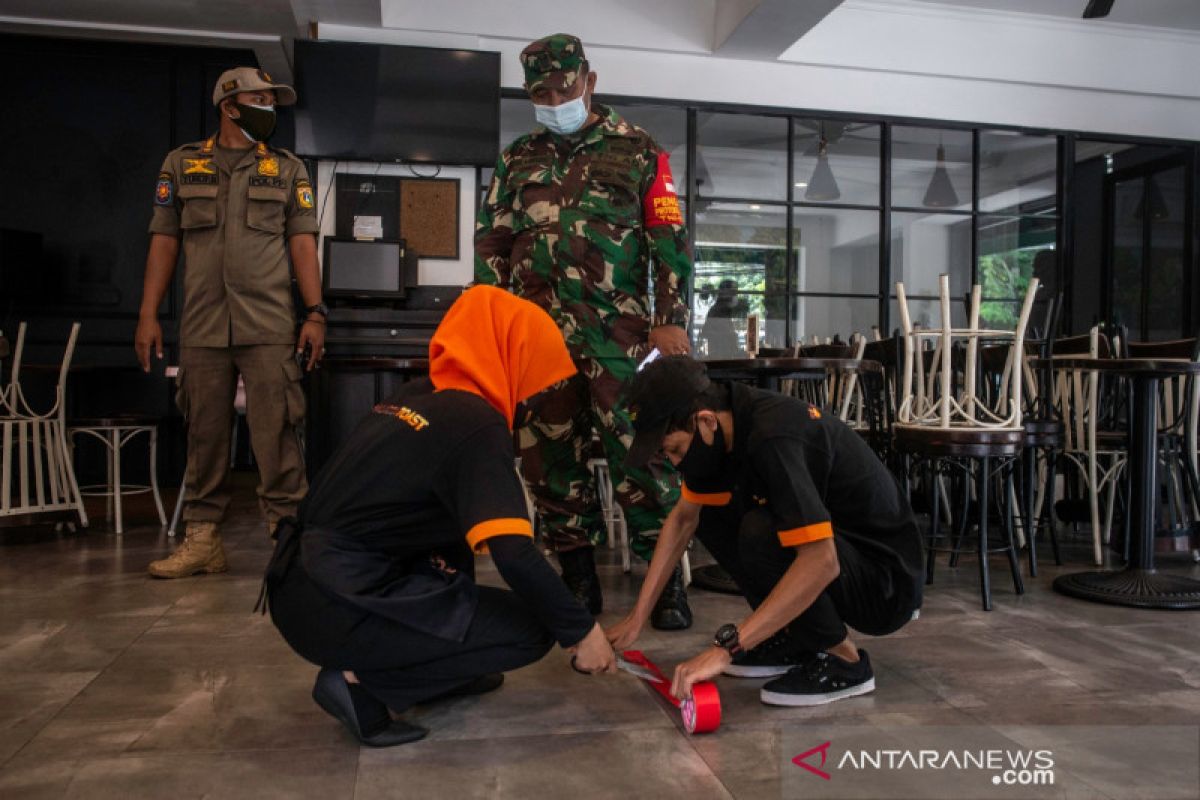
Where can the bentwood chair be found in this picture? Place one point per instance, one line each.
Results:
(36, 474)
(1095, 446)
(955, 424)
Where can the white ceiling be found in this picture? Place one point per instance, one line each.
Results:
(1174, 14)
(1146, 48)
(689, 26)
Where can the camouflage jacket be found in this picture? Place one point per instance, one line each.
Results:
(571, 222)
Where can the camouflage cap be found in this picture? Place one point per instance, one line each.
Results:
(249, 79)
(554, 62)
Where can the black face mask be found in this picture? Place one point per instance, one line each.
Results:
(704, 460)
(257, 122)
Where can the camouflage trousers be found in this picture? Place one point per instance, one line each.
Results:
(555, 449)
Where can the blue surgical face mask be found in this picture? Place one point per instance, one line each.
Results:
(562, 119)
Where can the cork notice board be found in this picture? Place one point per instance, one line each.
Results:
(429, 216)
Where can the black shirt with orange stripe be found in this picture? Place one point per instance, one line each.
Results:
(815, 476)
(393, 521)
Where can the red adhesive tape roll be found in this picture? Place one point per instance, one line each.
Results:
(701, 712)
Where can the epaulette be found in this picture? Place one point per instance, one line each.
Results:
(288, 154)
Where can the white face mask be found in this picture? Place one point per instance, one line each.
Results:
(562, 119)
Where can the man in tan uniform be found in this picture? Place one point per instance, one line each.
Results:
(239, 208)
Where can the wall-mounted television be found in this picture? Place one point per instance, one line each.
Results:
(374, 102)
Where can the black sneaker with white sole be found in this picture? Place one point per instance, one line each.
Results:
(773, 657)
(822, 679)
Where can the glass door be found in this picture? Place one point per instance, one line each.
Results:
(1149, 285)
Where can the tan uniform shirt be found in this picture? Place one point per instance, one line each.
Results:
(234, 225)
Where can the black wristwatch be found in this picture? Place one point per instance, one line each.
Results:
(319, 308)
(726, 637)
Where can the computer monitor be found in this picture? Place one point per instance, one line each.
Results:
(364, 269)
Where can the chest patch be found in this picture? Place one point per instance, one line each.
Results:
(199, 166)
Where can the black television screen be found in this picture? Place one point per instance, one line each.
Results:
(389, 103)
(364, 269)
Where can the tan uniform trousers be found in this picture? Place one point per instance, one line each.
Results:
(207, 385)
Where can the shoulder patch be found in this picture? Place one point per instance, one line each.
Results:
(164, 190)
(660, 206)
(304, 193)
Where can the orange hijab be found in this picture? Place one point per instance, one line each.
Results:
(499, 347)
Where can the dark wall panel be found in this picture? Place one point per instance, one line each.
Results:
(85, 130)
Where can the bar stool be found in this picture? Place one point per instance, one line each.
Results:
(974, 429)
(114, 433)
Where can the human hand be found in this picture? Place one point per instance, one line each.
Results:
(703, 667)
(622, 635)
(147, 338)
(671, 340)
(594, 653)
(312, 334)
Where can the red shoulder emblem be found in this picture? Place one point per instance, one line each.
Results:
(660, 206)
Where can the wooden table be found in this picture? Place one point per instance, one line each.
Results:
(1139, 584)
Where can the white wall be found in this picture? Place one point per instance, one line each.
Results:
(1135, 82)
(432, 271)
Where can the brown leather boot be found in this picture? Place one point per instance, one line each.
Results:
(201, 551)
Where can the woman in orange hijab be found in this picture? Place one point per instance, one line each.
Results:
(375, 581)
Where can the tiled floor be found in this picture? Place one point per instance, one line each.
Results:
(116, 685)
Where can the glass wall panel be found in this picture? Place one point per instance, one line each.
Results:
(1011, 250)
(1164, 205)
(927, 313)
(741, 155)
(931, 168)
(836, 251)
(668, 126)
(835, 161)
(1017, 173)
(721, 319)
(740, 258)
(925, 246)
(829, 316)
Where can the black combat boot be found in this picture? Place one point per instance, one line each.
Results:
(579, 574)
(671, 612)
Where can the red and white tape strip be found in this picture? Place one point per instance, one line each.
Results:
(701, 712)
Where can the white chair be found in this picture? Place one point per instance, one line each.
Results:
(962, 426)
(1096, 452)
(33, 445)
(614, 520)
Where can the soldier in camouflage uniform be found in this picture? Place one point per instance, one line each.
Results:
(573, 215)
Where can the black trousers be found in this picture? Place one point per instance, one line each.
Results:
(396, 664)
(870, 595)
